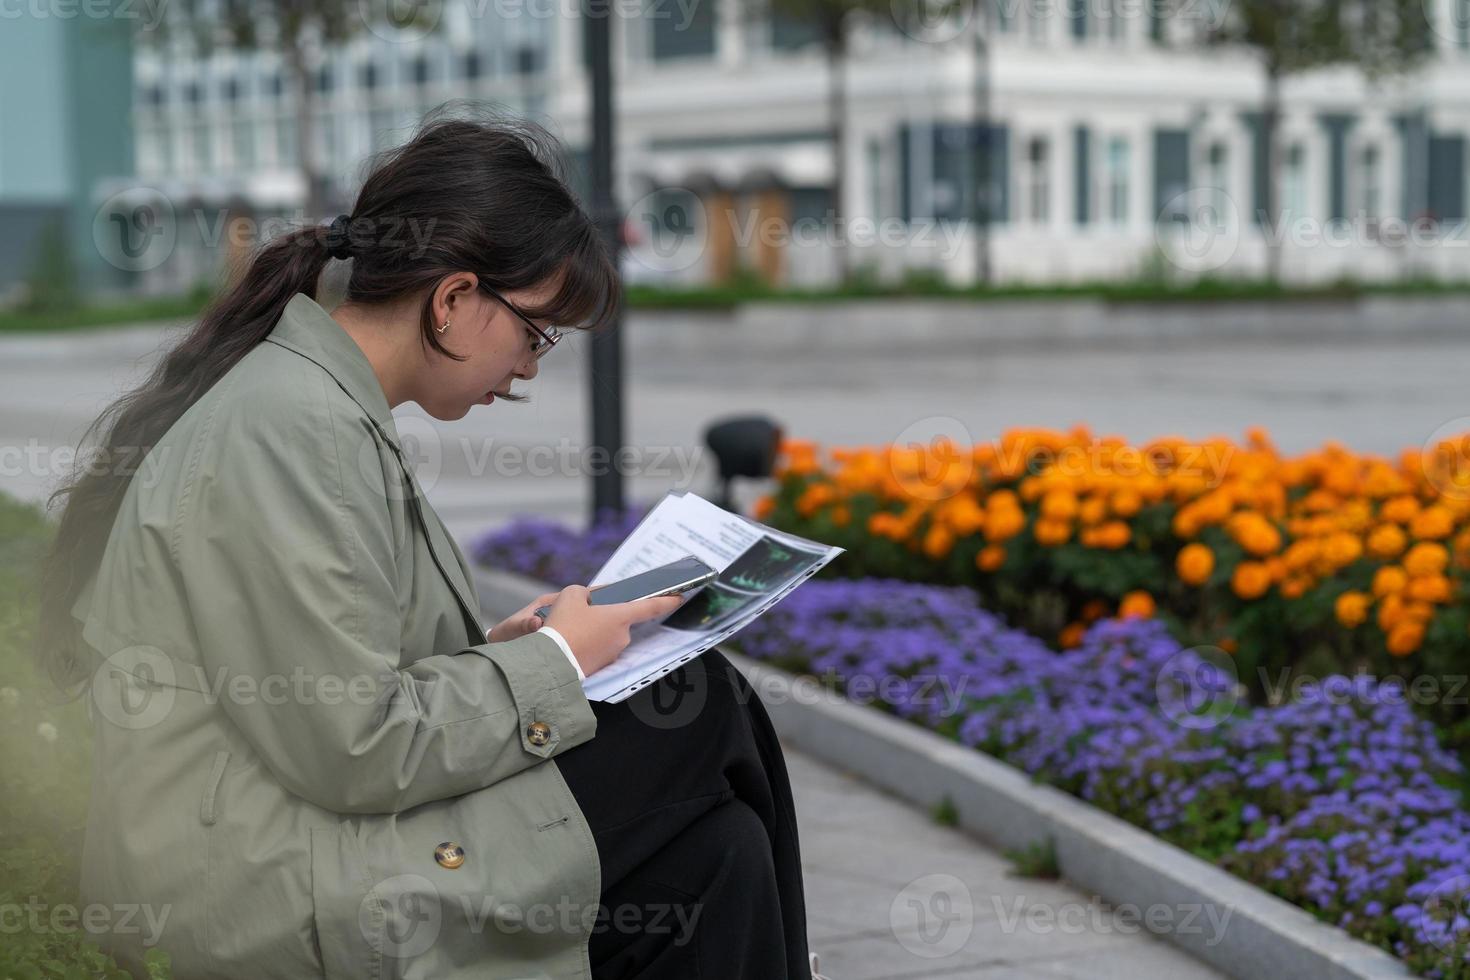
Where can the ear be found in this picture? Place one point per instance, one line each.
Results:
(452, 291)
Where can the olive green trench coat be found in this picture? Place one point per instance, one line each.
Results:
(296, 706)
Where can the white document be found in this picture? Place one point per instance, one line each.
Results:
(758, 566)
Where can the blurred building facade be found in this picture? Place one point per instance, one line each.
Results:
(65, 135)
(1102, 143)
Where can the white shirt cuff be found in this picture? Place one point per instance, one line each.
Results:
(565, 648)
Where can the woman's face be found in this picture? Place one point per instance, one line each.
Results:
(495, 343)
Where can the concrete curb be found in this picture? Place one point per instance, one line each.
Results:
(1264, 936)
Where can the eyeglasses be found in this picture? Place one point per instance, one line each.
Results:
(545, 339)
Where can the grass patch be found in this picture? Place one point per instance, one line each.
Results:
(727, 297)
(945, 813)
(44, 772)
(111, 314)
(1036, 860)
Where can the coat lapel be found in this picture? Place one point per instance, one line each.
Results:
(310, 331)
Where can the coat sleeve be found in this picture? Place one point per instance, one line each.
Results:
(286, 550)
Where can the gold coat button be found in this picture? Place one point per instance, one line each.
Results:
(449, 855)
(538, 732)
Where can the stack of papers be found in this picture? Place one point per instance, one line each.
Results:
(758, 566)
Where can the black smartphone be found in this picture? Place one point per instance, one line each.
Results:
(676, 578)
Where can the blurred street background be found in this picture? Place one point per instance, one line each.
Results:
(876, 223)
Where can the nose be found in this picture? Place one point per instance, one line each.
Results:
(529, 369)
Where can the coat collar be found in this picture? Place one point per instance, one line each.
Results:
(310, 331)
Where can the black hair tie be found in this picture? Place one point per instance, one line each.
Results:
(339, 244)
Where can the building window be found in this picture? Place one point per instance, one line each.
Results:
(1294, 181)
(244, 148)
(526, 59)
(1036, 14)
(1115, 181)
(875, 179)
(285, 141)
(1217, 172)
(790, 33)
(1370, 178)
(274, 85)
(1037, 191)
(324, 79)
(473, 68)
(680, 34)
(368, 76)
(420, 70)
(1119, 12)
(192, 93)
(202, 159)
(150, 151)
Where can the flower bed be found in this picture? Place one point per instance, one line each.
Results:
(1341, 801)
(1328, 562)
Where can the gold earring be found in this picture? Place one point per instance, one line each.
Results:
(443, 328)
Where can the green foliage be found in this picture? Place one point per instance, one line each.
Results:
(43, 785)
(51, 285)
(1377, 36)
(945, 813)
(1036, 860)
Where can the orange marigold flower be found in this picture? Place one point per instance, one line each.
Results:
(1390, 580)
(1433, 523)
(1094, 609)
(1352, 608)
(1114, 535)
(1250, 580)
(1195, 564)
(1426, 558)
(1342, 548)
(841, 515)
(938, 540)
(1071, 636)
(1126, 501)
(1429, 588)
(1294, 587)
(1094, 510)
(763, 507)
(990, 557)
(1003, 522)
(1051, 533)
(1405, 638)
(1186, 522)
(1417, 611)
(1136, 604)
(1059, 505)
(1387, 541)
(1390, 611)
(1401, 509)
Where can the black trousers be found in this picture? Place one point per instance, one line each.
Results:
(685, 788)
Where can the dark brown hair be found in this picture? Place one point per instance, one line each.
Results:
(479, 193)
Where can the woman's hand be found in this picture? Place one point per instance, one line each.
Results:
(597, 634)
(522, 621)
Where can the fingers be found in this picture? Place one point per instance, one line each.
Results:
(653, 607)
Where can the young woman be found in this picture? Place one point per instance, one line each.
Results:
(311, 759)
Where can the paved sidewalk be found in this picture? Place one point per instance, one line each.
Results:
(891, 894)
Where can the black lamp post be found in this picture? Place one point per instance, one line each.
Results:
(606, 355)
(745, 446)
